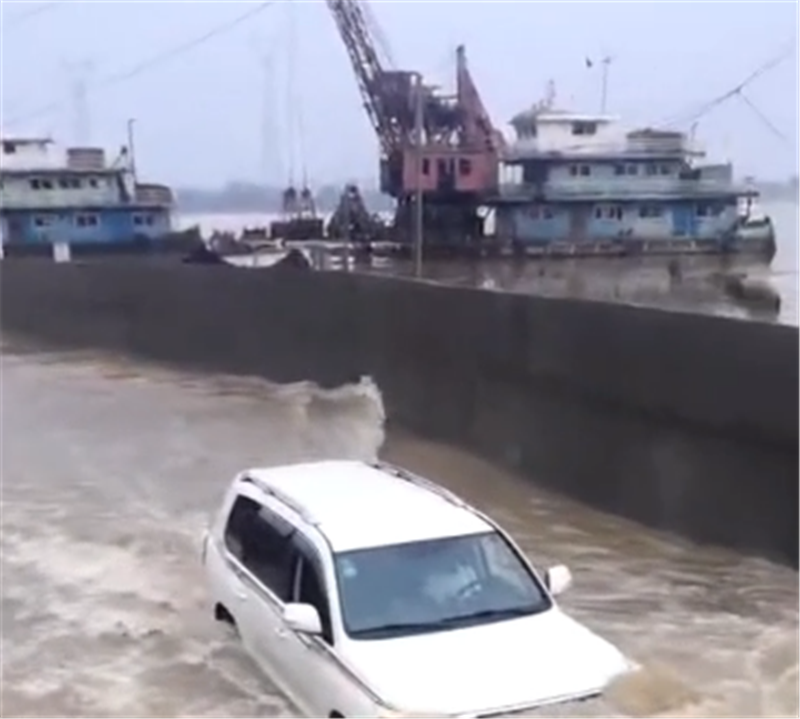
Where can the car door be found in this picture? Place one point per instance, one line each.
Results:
(262, 585)
(316, 678)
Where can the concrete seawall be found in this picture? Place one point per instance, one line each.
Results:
(682, 422)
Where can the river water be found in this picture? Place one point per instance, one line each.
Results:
(645, 282)
(110, 470)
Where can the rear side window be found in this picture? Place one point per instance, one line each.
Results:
(262, 542)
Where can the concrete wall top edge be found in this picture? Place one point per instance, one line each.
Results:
(728, 375)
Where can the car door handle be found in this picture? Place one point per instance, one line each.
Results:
(241, 595)
(280, 632)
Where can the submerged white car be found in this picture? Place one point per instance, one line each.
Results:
(364, 590)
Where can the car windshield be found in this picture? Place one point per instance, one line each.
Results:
(435, 585)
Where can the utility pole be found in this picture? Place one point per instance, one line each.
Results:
(82, 124)
(132, 149)
(418, 152)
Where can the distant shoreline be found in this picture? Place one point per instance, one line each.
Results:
(242, 198)
(275, 209)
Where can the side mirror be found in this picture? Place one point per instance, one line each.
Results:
(558, 579)
(302, 618)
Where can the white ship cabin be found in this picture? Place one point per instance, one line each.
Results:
(21, 154)
(591, 147)
(547, 130)
(35, 172)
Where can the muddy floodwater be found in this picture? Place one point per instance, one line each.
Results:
(110, 469)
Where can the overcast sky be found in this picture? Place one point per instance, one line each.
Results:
(202, 114)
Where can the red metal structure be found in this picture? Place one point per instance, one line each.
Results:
(458, 161)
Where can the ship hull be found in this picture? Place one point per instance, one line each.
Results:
(749, 241)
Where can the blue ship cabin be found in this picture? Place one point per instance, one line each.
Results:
(574, 180)
(87, 224)
(48, 197)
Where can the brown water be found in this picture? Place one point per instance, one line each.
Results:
(111, 468)
(645, 282)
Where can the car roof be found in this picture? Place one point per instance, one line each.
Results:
(357, 505)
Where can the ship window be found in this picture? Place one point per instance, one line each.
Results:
(547, 213)
(619, 169)
(75, 183)
(86, 220)
(650, 211)
(9, 148)
(63, 183)
(92, 182)
(573, 170)
(651, 169)
(586, 170)
(632, 170)
(708, 210)
(665, 170)
(44, 220)
(35, 184)
(464, 166)
(426, 166)
(47, 184)
(609, 212)
(584, 128)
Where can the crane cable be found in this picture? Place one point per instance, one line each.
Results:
(154, 61)
(381, 41)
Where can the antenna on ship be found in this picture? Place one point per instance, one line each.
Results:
(80, 71)
(549, 95)
(606, 62)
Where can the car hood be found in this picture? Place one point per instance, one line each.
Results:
(520, 662)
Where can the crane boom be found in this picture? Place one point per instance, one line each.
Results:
(354, 31)
(455, 162)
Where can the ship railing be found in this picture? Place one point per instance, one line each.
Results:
(56, 200)
(620, 189)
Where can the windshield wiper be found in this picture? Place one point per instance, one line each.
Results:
(398, 628)
(489, 614)
(445, 623)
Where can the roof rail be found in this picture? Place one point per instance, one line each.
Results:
(420, 482)
(283, 498)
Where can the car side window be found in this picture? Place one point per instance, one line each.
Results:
(262, 542)
(311, 590)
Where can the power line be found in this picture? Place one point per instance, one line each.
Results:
(764, 119)
(25, 15)
(154, 61)
(706, 107)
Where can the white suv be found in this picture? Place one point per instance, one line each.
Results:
(364, 590)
